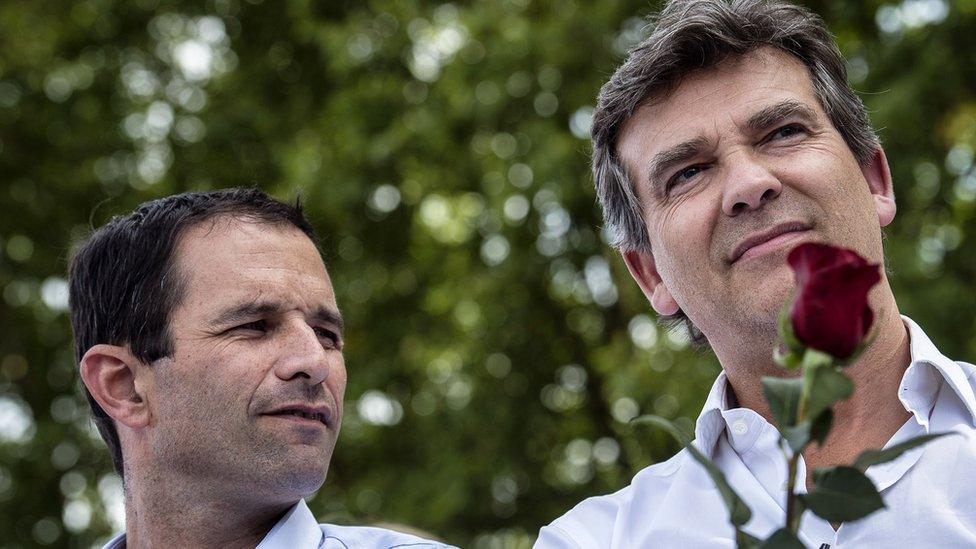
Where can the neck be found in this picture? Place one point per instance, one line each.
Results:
(165, 512)
(870, 416)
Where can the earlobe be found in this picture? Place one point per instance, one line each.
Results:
(663, 302)
(109, 373)
(878, 176)
(642, 267)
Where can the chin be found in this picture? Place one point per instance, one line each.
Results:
(776, 289)
(299, 481)
(293, 471)
(760, 314)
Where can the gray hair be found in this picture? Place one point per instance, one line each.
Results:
(694, 35)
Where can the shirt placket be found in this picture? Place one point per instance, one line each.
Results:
(755, 442)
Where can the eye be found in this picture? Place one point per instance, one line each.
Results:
(327, 334)
(685, 174)
(253, 326)
(785, 132)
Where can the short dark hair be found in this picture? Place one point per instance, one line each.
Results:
(124, 282)
(695, 35)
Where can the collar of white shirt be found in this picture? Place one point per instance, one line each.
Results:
(918, 391)
(298, 529)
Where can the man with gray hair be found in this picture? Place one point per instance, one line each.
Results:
(726, 138)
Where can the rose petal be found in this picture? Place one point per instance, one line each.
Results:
(831, 312)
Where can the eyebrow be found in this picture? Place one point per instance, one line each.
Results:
(775, 114)
(677, 154)
(248, 311)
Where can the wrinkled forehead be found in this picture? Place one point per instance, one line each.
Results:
(680, 109)
(227, 258)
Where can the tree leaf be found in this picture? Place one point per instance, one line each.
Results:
(739, 512)
(828, 385)
(842, 494)
(783, 396)
(874, 457)
(782, 539)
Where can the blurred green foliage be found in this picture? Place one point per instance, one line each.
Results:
(496, 346)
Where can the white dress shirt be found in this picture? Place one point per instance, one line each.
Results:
(298, 529)
(930, 491)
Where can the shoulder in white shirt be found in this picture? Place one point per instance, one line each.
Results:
(928, 491)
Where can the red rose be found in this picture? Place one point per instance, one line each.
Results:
(831, 313)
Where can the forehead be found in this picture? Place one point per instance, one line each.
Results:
(707, 102)
(228, 260)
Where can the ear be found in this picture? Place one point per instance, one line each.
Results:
(642, 268)
(109, 372)
(878, 176)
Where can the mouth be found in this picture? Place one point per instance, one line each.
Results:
(304, 415)
(767, 241)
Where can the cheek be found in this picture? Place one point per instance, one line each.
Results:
(825, 172)
(220, 380)
(680, 242)
(686, 219)
(187, 401)
(337, 381)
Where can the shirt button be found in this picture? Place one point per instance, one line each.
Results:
(739, 427)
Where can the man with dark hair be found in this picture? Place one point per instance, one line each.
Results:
(210, 349)
(726, 138)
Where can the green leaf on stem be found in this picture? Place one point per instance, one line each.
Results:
(783, 396)
(782, 539)
(842, 494)
(874, 457)
(787, 359)
(813, 358)
(786, 334)
(821, 426)
(671, 427)
(739, 512)
(744, 540)
(798, 436)
(828, 385)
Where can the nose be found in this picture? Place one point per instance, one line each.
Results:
(750, 186)
(302, 355)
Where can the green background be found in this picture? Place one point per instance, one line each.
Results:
(496, 346)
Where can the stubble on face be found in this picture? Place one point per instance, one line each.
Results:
(211, 392)
(810, 175)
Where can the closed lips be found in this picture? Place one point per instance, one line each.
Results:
(759, 238)
(316, 415)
